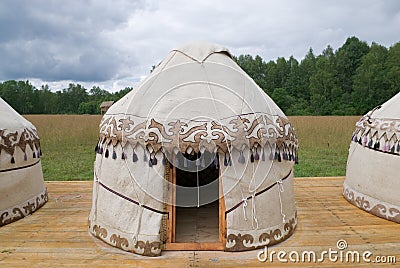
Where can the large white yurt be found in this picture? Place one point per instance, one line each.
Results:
(372, 177)
(22, 189)
(197, 157)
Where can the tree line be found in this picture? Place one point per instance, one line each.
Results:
(76, 99)
(349, 81)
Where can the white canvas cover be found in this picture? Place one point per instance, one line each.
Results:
(22, 189)
(372, 177)
(196, 100)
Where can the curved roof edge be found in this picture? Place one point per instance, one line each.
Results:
(200, 51)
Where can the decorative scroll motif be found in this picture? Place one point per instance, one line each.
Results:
(251, 131)
(145, 248)
(247, 241)
(372, 205)
(9, 140)
(18, 212)
(378, 134)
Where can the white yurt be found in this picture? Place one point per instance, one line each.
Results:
(372, 177)
(197, 157)
(22, 189)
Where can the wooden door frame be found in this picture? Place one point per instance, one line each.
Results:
(171, 221)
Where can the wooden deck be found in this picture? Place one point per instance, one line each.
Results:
(57, 234)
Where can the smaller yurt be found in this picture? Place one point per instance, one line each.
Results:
(197, 157)
(22, 189)
(372, 176)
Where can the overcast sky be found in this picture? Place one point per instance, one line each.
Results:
(113, 44)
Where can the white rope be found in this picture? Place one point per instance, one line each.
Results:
(244, 208)
(281, 190)
(253, 211)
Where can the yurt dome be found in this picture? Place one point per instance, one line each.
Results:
(196, 157)
(22, 189)
(372, 178)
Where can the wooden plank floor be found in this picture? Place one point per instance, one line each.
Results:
(57, 234)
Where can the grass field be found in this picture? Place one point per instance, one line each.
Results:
(68, 143)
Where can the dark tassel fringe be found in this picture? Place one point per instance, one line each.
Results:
(25, 157)
(107, 153)
(114, 155)
(34, 155)
(101, 150)
(241, 159)
(96, 149)
(252, 158)
(154, 161)
(263, 155)
(150, 163)
(12, 160)
(370, 143)
(123, 156)
(134, 156)
(164, 160)
(256, 156)
(225, 161)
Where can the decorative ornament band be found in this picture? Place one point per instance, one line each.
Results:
(9, 140)
(242, 131)
(378, 134)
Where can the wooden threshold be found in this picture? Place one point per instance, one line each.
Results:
(195, 246)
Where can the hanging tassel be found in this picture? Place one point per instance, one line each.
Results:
(12, 160)
(25, 157)
(370, 143)
(251, 157)
(377, 145)
(134, 156)
(164, 160)
(398, 147)
(101, 150)
(229, 160)
(296, 159)
(123, 155)
(40, 152)
(364, 141)
(216, 161)
(256, 155)
(263, 155)
(271, 155)
(225, 161)
(34, 155)
(96, 149)
(392, 149)
(354, 138)
(154, 160)
(114, 155)
(150, 163)
(279, 157)
(241, 159)
(107, 153)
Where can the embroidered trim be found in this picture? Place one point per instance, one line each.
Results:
(247, 240)
(248, 130)
(20, 211)
(369, 204)
(10, 140)
(378, 134)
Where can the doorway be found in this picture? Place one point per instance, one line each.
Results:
(197, 220)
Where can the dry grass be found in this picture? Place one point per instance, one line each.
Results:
(323, 144)
(68, 143)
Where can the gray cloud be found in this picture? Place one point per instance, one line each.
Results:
(115, 43)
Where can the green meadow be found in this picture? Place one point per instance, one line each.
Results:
(68, 143)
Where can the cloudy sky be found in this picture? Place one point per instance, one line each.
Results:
(113, 44)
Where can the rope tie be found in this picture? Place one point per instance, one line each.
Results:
(253, 210)
(281, 190)
(244, 208)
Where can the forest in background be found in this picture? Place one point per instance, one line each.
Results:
(348, 81)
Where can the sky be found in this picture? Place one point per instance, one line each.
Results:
(114, 44)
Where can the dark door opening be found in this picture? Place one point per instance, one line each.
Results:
(197, 206)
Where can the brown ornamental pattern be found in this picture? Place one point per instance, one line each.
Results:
(239, 132)
(9, 140)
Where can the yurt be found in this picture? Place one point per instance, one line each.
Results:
(372, 176)
(197, 157)
(22, 189)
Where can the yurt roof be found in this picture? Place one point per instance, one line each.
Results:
(197, 94)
